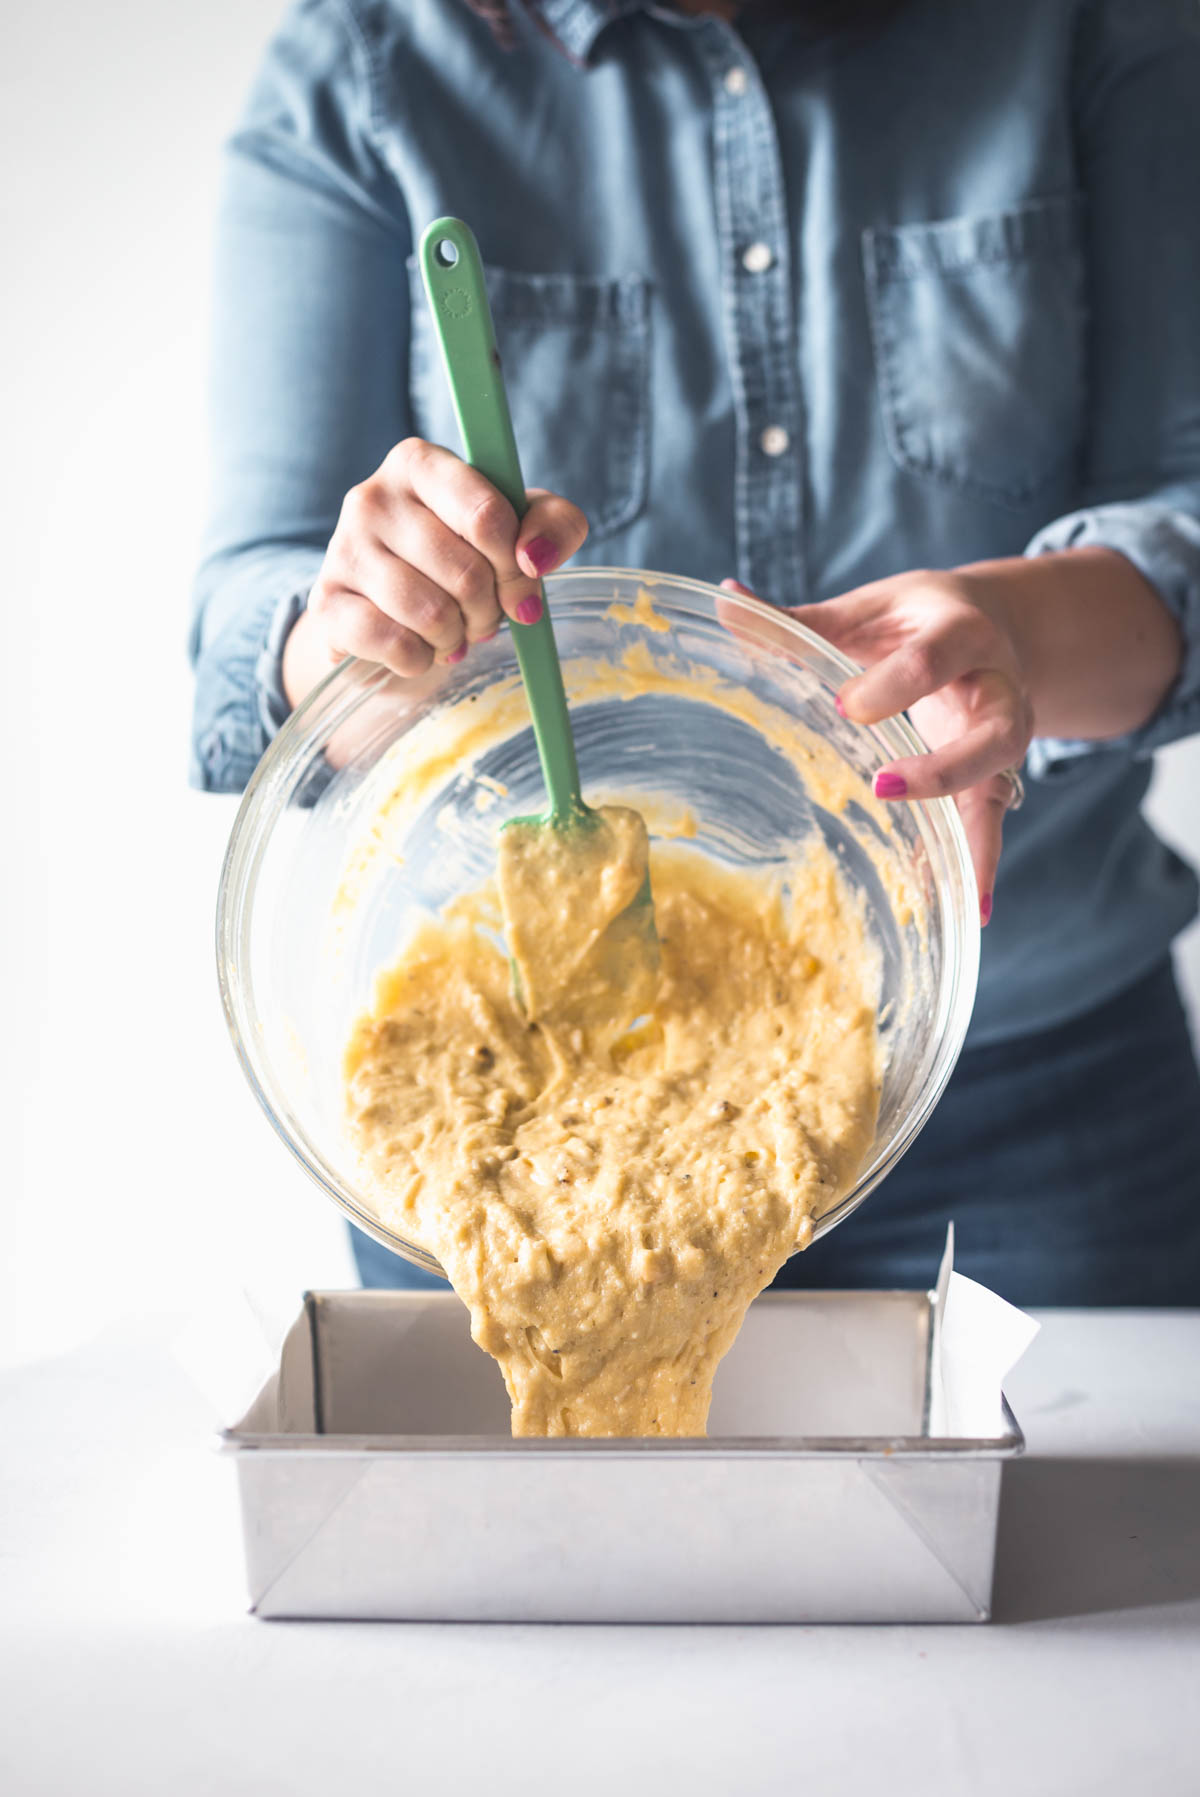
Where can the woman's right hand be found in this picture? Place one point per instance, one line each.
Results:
(427, 558)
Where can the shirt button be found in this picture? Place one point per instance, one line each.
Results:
(736, 81)
(757, 259)
(774, 440)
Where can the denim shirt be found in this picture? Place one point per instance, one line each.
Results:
(806, 314)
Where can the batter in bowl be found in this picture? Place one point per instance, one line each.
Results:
(608, 1196)
(584, 946)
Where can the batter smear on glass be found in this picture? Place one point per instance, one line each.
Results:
(607, 1193)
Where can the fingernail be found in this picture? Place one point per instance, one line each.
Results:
(491, 635)
(457, 654)
(541, 554)
(838, 706)
(529, 610)
(985, 909)
(731, 586)
(890, 786)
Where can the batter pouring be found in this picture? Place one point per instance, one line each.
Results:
(607, 1205)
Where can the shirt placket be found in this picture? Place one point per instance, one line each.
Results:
(756, 291)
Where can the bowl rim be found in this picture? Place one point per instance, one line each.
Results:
(937, 818)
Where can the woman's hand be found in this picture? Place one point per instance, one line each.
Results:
(933, 648)
(427, 558)
(984, 657)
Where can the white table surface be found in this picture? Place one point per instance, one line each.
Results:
(127, 1664)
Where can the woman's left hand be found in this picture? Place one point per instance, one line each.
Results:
(934, 646)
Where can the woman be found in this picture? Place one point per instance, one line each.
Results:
(886, 311)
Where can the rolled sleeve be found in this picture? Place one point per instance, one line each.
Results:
(1136, 75)
(240, 702)
(1163, 544)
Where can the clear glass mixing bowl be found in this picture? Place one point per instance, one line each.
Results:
(380, 798)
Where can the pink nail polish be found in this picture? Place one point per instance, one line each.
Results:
(491, 635)
(529, 610)
(541, 554)
(985, 909)
(838, 706)
(457, 654)
(890, 786)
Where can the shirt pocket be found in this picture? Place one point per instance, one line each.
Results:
(576, 353)
(978, 332)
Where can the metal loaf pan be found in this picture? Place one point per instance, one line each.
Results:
(378, 1479)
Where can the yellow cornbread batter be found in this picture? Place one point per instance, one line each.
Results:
(579, 920)
(607, 1208)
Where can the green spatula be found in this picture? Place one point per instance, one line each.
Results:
(557, 863)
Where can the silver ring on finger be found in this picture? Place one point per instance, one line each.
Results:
(1016, 797)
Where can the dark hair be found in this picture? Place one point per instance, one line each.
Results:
(820, 18)
(498, 16)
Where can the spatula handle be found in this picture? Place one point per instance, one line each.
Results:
(454, 285)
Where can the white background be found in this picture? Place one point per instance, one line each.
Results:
(139, 1171)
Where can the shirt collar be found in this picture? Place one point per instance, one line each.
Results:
(578, 23)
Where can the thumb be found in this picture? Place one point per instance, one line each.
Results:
(733, 617)
(855, 623)
(828, 619)
(551, 531)
(839, 621)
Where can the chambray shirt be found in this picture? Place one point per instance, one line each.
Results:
(806, 314)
